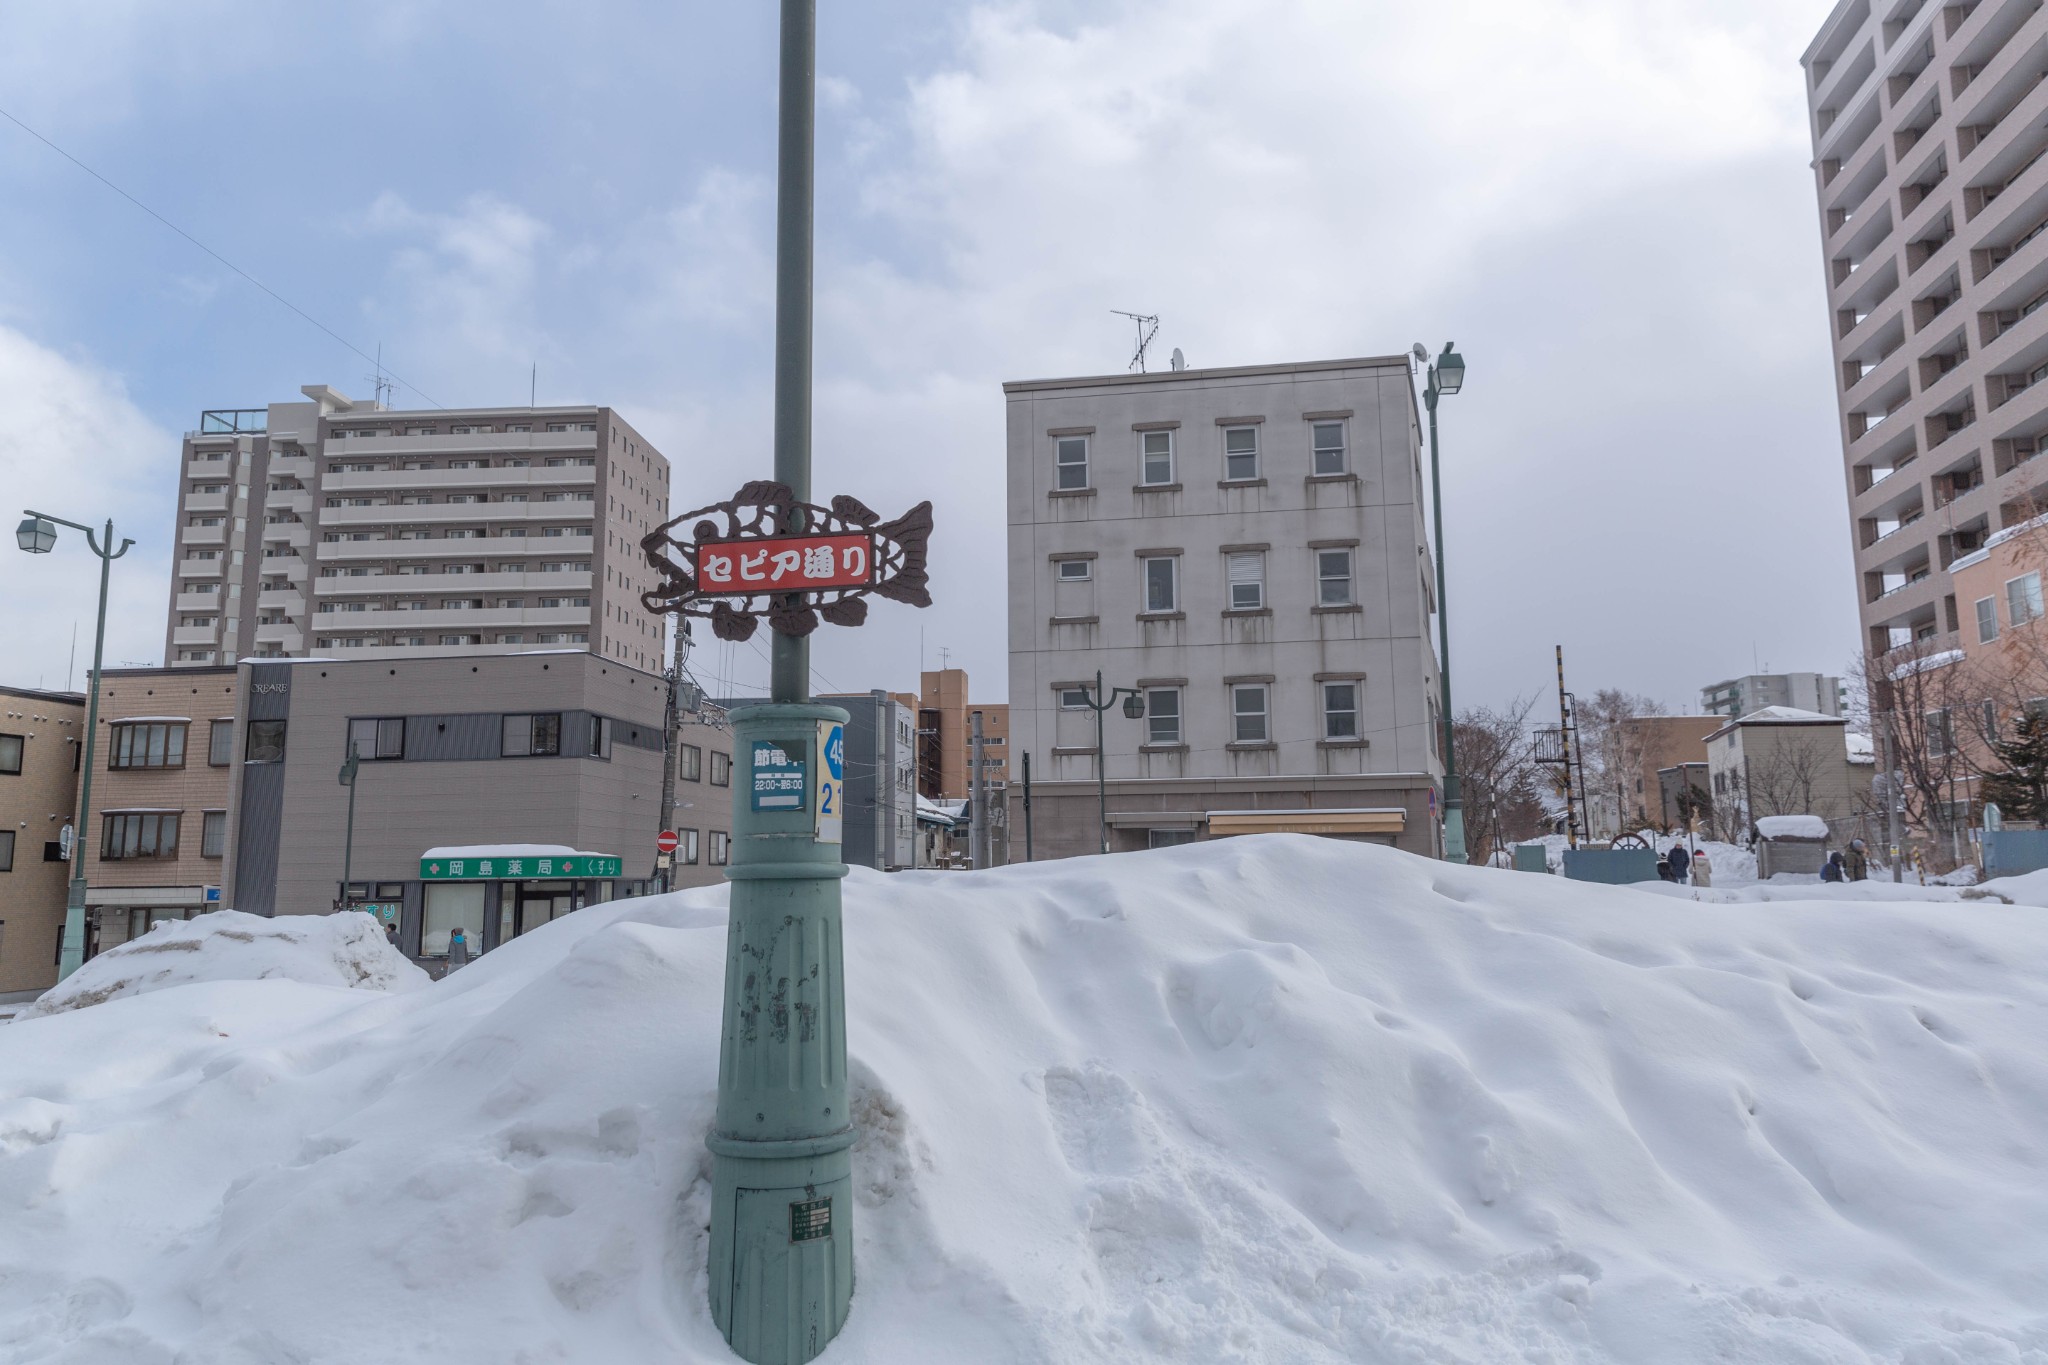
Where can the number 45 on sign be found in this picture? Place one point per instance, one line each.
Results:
(831, 782)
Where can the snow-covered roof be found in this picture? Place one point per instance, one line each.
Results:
(149, 720)
(1778, 715)
(1792, 827)
(1862, 748)
(1941, 660)
(931, 812)
(510, 851)
(1997, 539)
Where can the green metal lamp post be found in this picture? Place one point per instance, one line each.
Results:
(38, 535)
(347, 776)
(1446, 376)
(1134, 707)
(781, 1256)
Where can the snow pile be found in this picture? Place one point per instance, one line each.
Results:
(1792, 827)
(319, 950)
(1263, 1100)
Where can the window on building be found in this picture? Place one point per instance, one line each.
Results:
(1247, 574)
(213, 834)
(690, 763)
(1168, 838)
(147, 744)
(220, 744)
(721, 847)
(1340, 710)
(266, 742)
(1988, 718)
(1071, 462)
(721, 768)
(600, 737)
(6, 850)
(1941, 738)
(10, 755)
(1074, 570)
(139, 834)
(2023, 599)
(1248, 713)
(686, 847)
(1162, 583)
(1987, 620)
(1073, 699)
(1240, 453)
(1329, 448)
(1333, 578)
(1156, 462)
(1162, 715)
(377, 737)
(528, 735)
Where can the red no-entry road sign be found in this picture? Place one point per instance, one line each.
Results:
(666, 841)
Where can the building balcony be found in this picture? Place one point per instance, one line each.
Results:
(564, 547)
(207, 502)
(535, 475)
(203, 535)
(300, 466)
(196, 601)
(437, 619)
(383, 584)
(182, 636)
(285, 634)
(288, 600)
(295, 533)
(201, 568)
(297, 500)
(457, 513)
(222, 470)
(387, 445)
(433, 651)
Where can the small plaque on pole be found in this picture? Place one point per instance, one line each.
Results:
(810, 1220)
(781, 775)
(831, 822)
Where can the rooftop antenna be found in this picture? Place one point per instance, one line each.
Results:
(1148, 327)
(385, 385)
(945, 658)
(533, 384)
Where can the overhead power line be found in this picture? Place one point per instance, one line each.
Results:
(215, 254)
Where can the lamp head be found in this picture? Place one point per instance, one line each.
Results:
(1450, 370)
(36, 535)
(1134, 706)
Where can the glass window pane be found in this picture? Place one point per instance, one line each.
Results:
(174, 746)
(449, 904)
(220, 745)
(362, 736)
(213, 834)
(516, 739)
(155, 753)
(1987, 620)
(1159, 594)
(1248, 707)
(1074, 570)
(10, 754)
(1329, 448)
(391, 737)
(266, 741)
(547, 734)
(1162, 713)
(1073, 462)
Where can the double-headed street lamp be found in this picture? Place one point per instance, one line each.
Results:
(1134, 707)
(1447, 375)
(38, 536)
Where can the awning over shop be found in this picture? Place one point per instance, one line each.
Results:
(1381, 820)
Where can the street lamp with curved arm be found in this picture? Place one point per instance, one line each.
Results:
(1134, 707)
(38, 536)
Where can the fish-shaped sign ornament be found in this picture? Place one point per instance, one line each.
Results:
(796, 563)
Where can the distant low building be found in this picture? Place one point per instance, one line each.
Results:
(1784, 761)
(1736, 697)
(40, 733)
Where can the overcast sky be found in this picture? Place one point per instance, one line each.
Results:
(1605, 203)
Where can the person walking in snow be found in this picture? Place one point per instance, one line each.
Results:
(391, 934)
(458, 948)
(1702, 870)
(1856, 862)
(1831, 871)
(1679, 861)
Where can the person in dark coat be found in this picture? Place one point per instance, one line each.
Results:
(1680, 862)
(458, 948)
(1832, 870)
(1856, 862)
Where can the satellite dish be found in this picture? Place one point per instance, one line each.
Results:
(1420, 352)
(1180, 362)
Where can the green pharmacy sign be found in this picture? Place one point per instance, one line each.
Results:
(521, 867)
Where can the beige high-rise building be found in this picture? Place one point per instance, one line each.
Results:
(331, 526)
(1929, 122)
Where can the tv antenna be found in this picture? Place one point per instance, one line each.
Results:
(385, 385)
(1148, 327)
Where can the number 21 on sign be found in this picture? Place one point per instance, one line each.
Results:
(831, 769)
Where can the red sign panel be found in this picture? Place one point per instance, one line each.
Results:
(785, 564)
(666, 841)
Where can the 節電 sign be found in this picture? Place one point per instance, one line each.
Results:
(521, 868)
(786, 563)
(781, 775)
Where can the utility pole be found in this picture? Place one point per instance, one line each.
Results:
(781, 1254)
(348, 844)
(977, 798)
(1892, 833)
(671, 734)
(1027, 807)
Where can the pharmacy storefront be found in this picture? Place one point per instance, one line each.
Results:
(496, 892)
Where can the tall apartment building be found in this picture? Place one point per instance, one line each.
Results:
(945, 732)
(1929, 122)
(330, 526)
(1735, 697)
(1245, 548)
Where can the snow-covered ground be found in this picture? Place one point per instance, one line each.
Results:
(1267, 1099)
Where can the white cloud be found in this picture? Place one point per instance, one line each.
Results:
(74, 446)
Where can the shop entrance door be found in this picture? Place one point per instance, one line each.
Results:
(538, 903)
